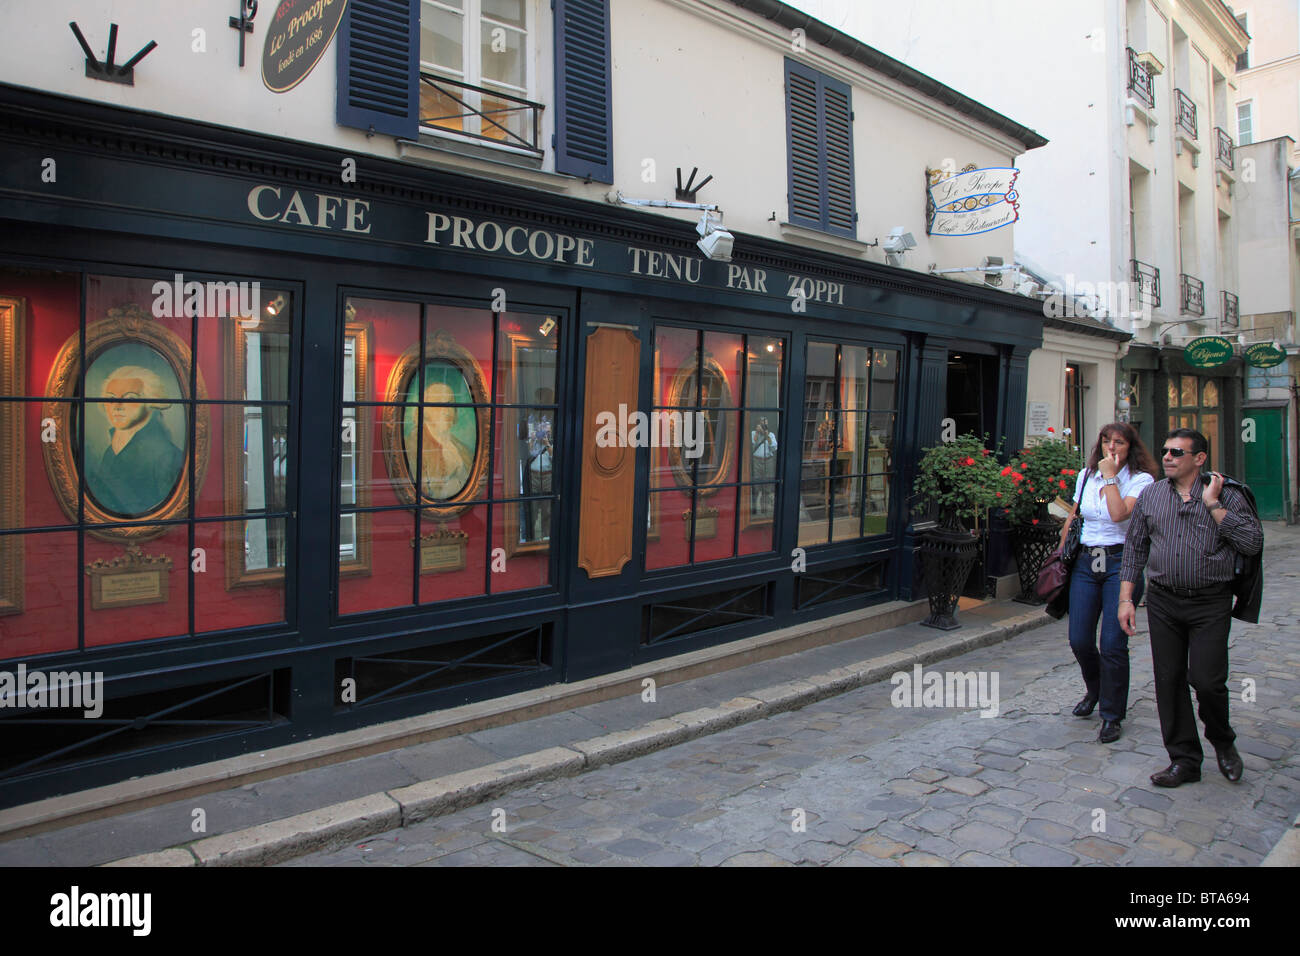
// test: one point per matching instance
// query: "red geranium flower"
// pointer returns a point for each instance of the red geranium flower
(1062, 484)
(999, 494)
(1035, 521)
(1053, 431)
(969, 461)
(1006, 470)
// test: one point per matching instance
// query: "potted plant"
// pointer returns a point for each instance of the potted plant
(961, 480)
(1042, 472)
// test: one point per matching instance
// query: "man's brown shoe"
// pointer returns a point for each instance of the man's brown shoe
(1176, 774)
(1229, 762)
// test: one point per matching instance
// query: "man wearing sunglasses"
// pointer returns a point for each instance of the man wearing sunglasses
(1186, 531)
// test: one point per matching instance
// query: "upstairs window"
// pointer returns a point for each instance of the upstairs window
(476, 69)
(1245, 124)
(819, 135)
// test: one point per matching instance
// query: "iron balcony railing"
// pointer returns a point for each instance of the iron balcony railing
(1223, 147)
(496, 120)
(1193, 294)
(1186, 112)
(1231, 311)
(1139, 80)
(1147, 279)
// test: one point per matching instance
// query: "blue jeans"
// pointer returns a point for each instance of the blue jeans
(1093, 595)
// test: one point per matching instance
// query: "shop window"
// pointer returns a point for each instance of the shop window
(715, 446)
(849, 422)
(165, 457)
(448, 483)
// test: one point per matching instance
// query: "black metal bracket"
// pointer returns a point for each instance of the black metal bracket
(244, 24)
(687, 193)
(108, 70)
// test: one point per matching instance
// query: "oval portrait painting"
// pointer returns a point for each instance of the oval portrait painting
(448, 446)
(136, 430)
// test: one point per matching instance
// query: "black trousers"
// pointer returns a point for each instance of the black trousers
(1189, 645)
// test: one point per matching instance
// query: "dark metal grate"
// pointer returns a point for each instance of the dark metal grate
(837, 584)
(133, 724)
(1231, 311)
(384, 677)
(663, 622)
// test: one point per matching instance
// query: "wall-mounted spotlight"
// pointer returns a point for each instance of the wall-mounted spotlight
(995, 277)
(715, 242)
(899, 242)
(276, 306)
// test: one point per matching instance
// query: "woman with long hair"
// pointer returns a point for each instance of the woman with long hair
(1118, 469)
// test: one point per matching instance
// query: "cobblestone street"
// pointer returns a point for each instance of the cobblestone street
(884, 786)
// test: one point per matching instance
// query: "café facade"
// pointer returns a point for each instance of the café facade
(284, 455)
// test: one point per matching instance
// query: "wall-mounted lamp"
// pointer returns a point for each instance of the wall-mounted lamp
(275, 306)
(899, 242)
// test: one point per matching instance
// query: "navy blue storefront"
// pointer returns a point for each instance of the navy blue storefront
(393, 494)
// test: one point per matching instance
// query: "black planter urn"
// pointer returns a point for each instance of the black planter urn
(948, 553)
(1033, 544)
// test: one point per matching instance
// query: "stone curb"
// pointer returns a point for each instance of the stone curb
(317, 829)
(368, 816)
(1287, 850)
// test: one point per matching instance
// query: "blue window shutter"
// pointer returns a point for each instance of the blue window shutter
(583, 123)
(819, 149)
(379, 62)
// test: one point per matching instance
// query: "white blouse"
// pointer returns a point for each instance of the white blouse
(1098, 530)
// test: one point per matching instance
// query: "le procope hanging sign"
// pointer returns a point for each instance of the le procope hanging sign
(296, 39)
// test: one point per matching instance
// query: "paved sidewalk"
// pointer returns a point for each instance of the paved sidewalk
(876, 784)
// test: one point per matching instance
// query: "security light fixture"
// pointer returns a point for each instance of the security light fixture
(715, 241)
(898, 243)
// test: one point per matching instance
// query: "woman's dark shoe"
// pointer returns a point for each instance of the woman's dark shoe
(1109, 731)
(1085, 707)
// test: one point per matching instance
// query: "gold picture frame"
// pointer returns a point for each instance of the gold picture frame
(441, 353)
(514, 420)
(13, 313)
(123, 326)
(678, 398)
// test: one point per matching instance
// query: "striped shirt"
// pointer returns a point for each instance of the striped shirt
(1180, 544)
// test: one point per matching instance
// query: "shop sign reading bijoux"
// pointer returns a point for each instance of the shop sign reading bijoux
(1208, 351)
(971, 202)
(297, 37)
(1263, 355)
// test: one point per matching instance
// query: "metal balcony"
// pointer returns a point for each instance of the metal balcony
(1231, 311)
(1223, 147)
(1186, 111)
(1193, 294)
(509, 120)
(1139, 80)
(1147, 279)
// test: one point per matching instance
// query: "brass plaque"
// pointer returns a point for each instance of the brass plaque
(706, 525)
(129, 581)
(442, 551)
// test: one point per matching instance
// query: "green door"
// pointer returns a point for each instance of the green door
(1266, 461)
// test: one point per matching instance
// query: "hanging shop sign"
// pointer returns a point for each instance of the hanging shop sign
(296, 39)
(1208, 351)
(1264, 355)
(973, 201)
